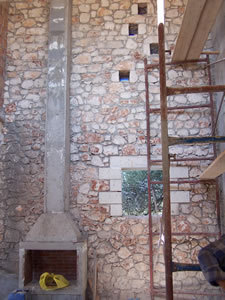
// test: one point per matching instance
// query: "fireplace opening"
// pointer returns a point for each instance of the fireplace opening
(63, 262)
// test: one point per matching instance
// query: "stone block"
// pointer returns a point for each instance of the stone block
(115, 185)
(115, 76)
(138, 19)
(120, 14)
(142, 29)
(174, 209)
(120, 52)
(131, 138)
(146, 49)
(110, 150)
(84, 17)
(125, 29)
(134, 9)
(129, 149)
(131, 44)
(133, 76)
(97, 161)
(84, 8)
(137, 229)
(119, 140)
(110, 198)
(109, 26)
(108, 173)
(114, 45)
(180, 196)
(116, 210)
(12, 235)
(178, 172)
(133, 162)
(83, 59)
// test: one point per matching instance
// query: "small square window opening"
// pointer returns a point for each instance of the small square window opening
(142, 8)
(124, 75)
(135, 192)
(133, 29)
(154, 48)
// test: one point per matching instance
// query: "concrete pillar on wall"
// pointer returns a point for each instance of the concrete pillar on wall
(57, 108)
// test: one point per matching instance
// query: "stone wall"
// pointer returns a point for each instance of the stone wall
(24, 107)
(108, 126)
(3, 45)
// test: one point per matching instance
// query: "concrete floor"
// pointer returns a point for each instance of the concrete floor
(8, 283)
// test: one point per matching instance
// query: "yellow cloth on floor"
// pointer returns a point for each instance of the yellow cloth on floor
(51, 282)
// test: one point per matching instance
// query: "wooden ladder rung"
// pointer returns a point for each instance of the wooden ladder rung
(178, 267)
(195, 140)
(192, 90)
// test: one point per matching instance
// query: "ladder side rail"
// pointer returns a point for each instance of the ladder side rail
(166, 164)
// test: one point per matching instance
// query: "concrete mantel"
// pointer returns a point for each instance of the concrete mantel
(54, 227)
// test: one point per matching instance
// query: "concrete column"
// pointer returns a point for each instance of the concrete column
(57, 108)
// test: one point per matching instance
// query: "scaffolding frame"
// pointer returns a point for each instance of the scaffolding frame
(167, 141)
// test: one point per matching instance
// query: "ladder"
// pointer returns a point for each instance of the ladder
(168, 141)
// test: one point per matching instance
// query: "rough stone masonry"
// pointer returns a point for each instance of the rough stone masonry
(108, 134)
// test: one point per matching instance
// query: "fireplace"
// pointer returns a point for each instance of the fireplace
(55, 261)
(66, 258)
(55, 244)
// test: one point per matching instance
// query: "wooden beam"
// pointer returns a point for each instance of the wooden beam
(205, 24)
(190, 22)
(198, 20)
(216, 168)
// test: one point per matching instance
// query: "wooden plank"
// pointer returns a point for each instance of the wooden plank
(205, 24)
(198, 20)
(216, 168)
(190, 22)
